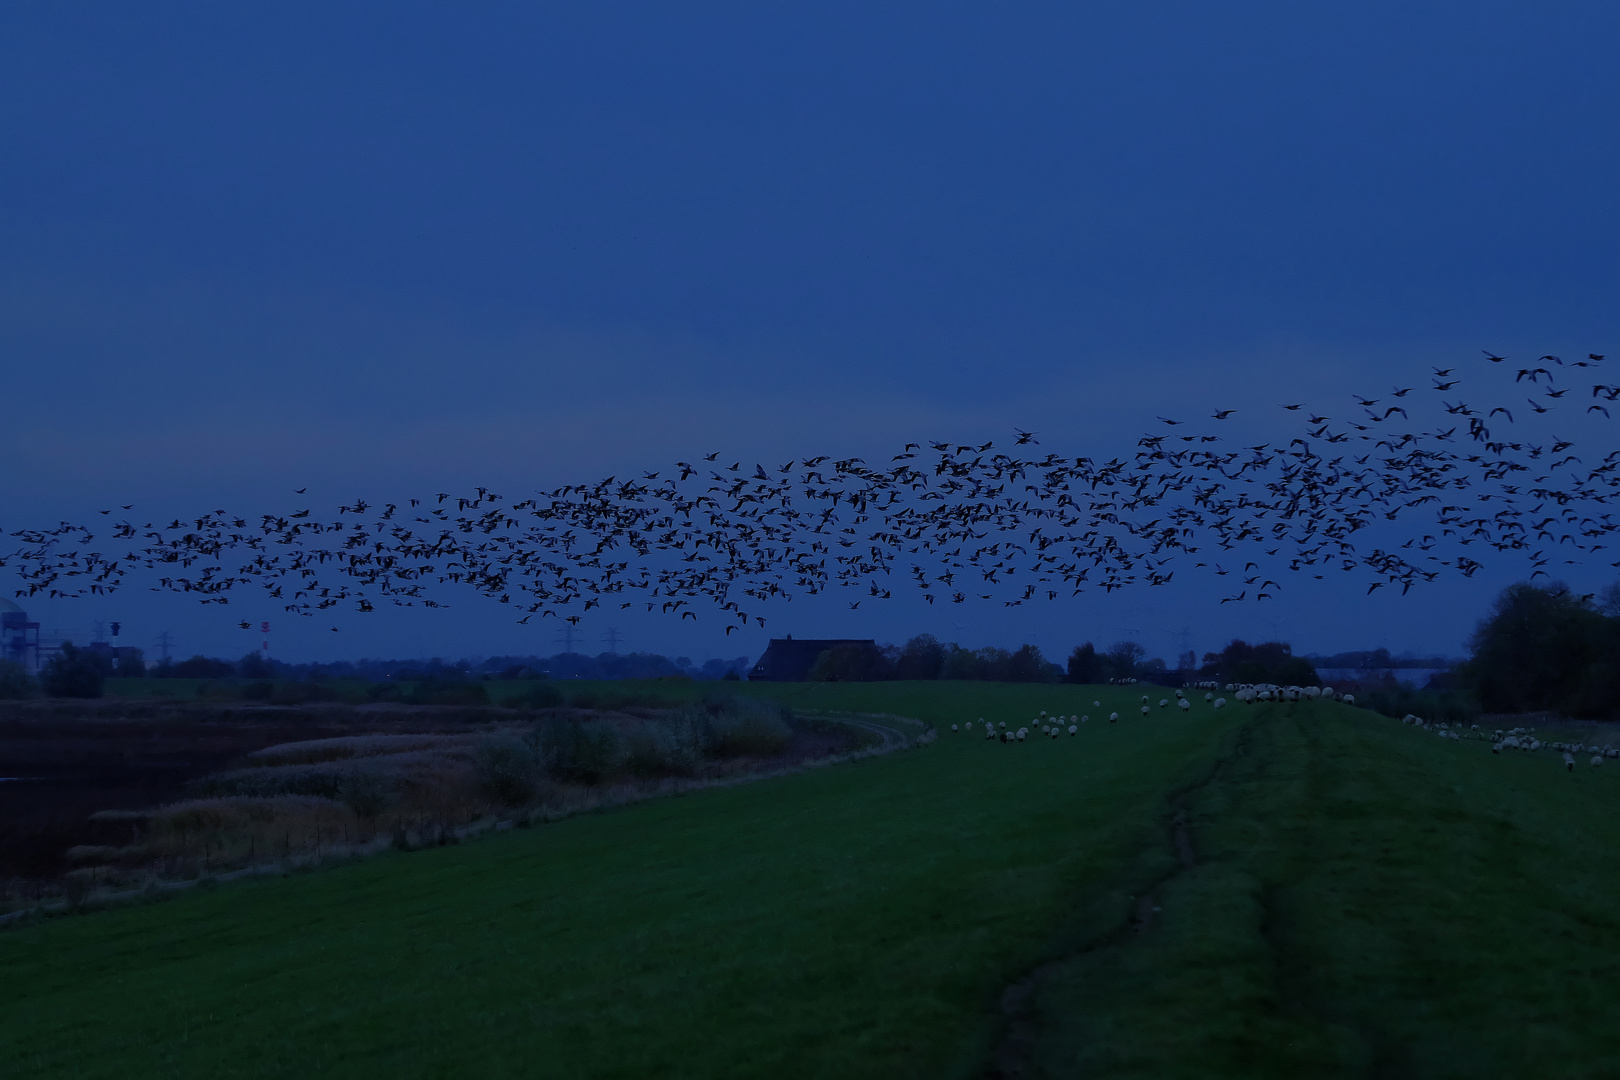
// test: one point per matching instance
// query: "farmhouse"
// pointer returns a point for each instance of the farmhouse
(790, 659)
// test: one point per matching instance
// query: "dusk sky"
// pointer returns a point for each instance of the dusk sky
(383, 250)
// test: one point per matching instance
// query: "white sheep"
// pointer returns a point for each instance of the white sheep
(1349, 699)
(1113, 718)
(1220, 703)
(1096, 704)
(1144, 710)
(1597, 759)
(1184, 704)
(953, 727)
(1074, 729)
(1210, 696)
(1083, 719)
(1163, 702)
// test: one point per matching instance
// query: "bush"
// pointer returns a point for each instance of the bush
(506, 772)
(200, 667)
(747, 727)
(300, 693)
(541, 696)
(650, 751)
(15, 682)
(74, 673)
(1435, 706)
(585, 752)
(448, 692)
(367, 793)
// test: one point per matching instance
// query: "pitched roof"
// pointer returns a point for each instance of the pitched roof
(790, 659)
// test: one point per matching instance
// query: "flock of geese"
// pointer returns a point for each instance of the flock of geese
(1376, 492)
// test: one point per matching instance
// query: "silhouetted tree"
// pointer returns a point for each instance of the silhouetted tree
(75, 673)
(1267, 662)
(1123, 656)
(201, 667)
(1545, 648)
(852, 662)
(922, 658)
(131, 663)
(15, 682)
(1085, 666)
(254, 666)
(1028, 665)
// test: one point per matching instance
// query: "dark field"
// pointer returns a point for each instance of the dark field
(66, 762)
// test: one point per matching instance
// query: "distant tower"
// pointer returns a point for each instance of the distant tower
(611, 639)
(19, 638)
(566, 638)
(165, 642)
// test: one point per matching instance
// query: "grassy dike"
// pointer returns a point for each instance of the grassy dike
(857, 920)
(1366, 900)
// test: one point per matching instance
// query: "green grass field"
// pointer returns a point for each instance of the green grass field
(1364, 899)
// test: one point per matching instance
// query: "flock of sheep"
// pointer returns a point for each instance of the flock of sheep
(1053, 725)
(1518, 738)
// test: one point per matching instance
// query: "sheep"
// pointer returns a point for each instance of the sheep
(1023, 733)
(1084, 718)
(1349, 699)
(1597, 759)
(1074, 729)
(1056, 733)
(953, 727)
(1184, 704)
(1096, 704)
(1144, 710)
(1209, 697)
(1163, 702)
(1569, 761)
(1113, 718)
(1003, 724)
(1144, 699)
(1220, 703)
(1178, 693)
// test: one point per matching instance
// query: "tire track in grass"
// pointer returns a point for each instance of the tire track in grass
(1015, 1052)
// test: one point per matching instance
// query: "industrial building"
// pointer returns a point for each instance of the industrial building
(19, 638)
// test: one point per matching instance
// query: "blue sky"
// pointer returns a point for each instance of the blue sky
(380, 249)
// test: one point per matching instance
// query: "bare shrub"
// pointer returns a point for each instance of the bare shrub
(747, 727)
(507, 774)
(236, 829)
